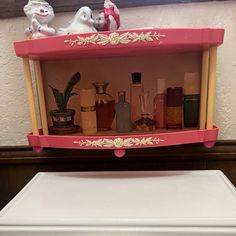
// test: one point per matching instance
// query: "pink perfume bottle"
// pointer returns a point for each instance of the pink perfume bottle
(159, 104)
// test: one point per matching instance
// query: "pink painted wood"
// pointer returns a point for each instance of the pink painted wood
(124, 141)
(121, 43)
(118, 43)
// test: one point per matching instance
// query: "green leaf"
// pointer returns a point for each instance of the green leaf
(72, 94)
(59, 98)
(67, 92)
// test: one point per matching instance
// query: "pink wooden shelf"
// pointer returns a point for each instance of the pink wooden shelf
(125, 42)
(121, 43)
(120, 143)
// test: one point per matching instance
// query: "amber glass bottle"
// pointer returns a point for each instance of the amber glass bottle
(105, 107)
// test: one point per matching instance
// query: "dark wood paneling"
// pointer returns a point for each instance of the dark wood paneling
(4, 187)
(228, 167)
(19, 176)
(13, 8)
(19, 164)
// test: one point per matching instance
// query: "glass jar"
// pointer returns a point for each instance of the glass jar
(145, 123)
(105, 106)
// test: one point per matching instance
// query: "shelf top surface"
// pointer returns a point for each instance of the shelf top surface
(140, 198)
(120, 43)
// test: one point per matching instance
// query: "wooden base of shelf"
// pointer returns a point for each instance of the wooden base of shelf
(121, 142)
(134, 132)
(64, 131)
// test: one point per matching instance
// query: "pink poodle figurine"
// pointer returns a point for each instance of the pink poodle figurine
(40, 13)
(109, 18)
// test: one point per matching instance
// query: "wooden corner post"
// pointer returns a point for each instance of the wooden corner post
(30, 93)
(43, 113)
(211, 86)
(204, 88)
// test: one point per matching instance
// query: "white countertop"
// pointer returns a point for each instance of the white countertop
(166, 199)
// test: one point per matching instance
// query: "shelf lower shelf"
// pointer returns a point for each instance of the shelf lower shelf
(121, 142)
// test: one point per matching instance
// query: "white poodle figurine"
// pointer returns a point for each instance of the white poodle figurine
(40, 13)
(109, 18)
(81, 23)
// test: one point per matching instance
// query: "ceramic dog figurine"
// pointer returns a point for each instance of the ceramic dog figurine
(81, 23)
(40, 13)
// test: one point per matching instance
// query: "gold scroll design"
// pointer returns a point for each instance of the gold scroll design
(116, 38)
(119, 142)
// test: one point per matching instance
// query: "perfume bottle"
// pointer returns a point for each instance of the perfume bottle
(159, 104)
(174, 113)
(145, 123)
(123, 114)
(191, 99)
(136, 88)
(88, 112)
(105, 106)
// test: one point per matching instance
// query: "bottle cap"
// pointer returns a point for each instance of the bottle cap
(161, 86)
(174, 97)
(87, 97)
(121, 96)
(191, 83)
(100, 87)
(136, 77)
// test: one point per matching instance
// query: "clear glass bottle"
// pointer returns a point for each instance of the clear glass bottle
(136, 88)
(145, 123)
(159, 105)
(105, 106)
(123, 114)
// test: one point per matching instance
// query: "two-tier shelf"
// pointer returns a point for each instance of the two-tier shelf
(121, 44)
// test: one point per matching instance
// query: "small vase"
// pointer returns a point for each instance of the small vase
(105, 107)
(62, 119)
(63, 122)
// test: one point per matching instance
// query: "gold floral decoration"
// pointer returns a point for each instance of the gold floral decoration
(119, 142)
(116, 38)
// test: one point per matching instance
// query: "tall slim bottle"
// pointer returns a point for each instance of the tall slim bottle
(123, 114)
(159, 104)
(191, 99)
(88, 112)
(174, 110)
(136, 88)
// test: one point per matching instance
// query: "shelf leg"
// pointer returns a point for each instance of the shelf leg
(204, 85)
(211, 87)
(30, 92)
(119, 152)
(43, 113)
(209, 144)
(38, 149)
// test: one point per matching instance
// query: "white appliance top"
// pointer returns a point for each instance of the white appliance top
(156, 198)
